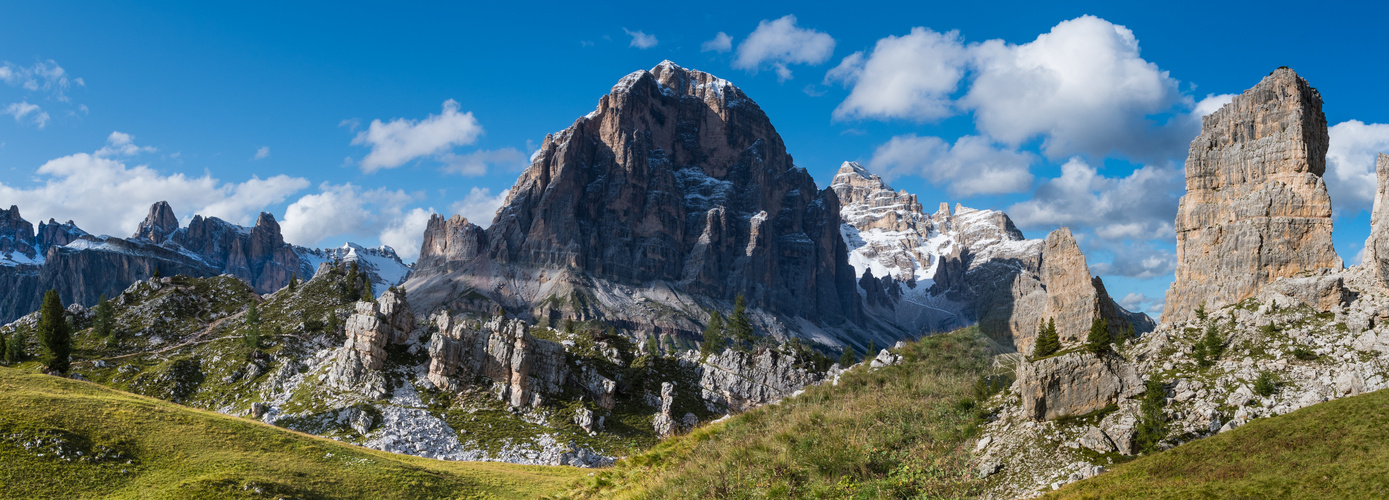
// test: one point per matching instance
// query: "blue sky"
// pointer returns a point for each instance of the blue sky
(232, 109)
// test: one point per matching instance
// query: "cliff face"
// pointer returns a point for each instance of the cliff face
(1256, 207)
(677, 182)
(1376, 257)
(926, 273)
(82, 267)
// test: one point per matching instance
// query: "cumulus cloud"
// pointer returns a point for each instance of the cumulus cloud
(1211, 104)
(104, 195)
(262, 153)
(641, 40)
(720, 43)
(479, 207)
(1141, 206)
(343, 210)
(973, 165)
(1350, 164)
(1082, 87)
(780, 43)
(21, 110)
(1140, 302)
(911, 77)
(406, 233)
(1140, 261)
(477, 162)
(396, 142)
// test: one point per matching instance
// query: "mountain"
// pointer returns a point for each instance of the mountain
(674, 196)
(82, 267)
(931, 273)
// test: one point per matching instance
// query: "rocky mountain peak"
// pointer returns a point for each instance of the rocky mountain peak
(16, 234)
(1376, 256)
(448, 243)
(1256, 207)
(158, 225)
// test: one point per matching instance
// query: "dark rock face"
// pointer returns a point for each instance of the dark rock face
(677, 181)
(82, 267)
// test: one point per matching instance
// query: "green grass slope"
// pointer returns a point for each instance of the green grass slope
(62, 438)
(1337, 449)
(897, 432)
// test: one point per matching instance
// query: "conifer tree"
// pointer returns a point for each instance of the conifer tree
(1098, 340)
(332, 322)
(251, 335)
(352, 292)
(367, 296)
(1048, 342)
(1152, 422)
(156, 274)
(871, 351)
(105, 320)
(293, 282)
(847, 358)
(4, 347)
(54, 334)
(1215, 346)
(569, 325)
(14, 352)
(739, 326)
(714, 337)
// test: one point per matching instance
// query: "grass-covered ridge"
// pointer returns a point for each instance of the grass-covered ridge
(897, 431)
(62, 438)
(1336, 449)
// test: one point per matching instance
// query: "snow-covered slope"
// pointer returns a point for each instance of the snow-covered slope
(381, 263)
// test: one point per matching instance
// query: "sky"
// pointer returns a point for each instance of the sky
(355, 121)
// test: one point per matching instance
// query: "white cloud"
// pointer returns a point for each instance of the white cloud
(720, 43)
(780, 43)
(401, 140)
(262, 153)
(1082, 86)
(641, 40)
(46, 76)
(971, 166)
(406, 233)
(122, 144)
(911, 77)
(1211, 104)
(22, 109)
(1141, 261)
(476, 162)
(342, 210)
(1139, 302)
(1350, 164)
(479, 207)
(1141, 206)
(103, 195)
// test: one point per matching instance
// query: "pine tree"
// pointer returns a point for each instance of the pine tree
(1215, 346)
(871, 351)
(352, 292)
(1152, 422)
(105, 320)
(14, 352)
(1048, 342)
(156, 274)
(54, 334)
(251, 335)
(714, 337)
(367, 296)
(847, 358)
(1098, 340)
(332, 322)
(293, 282)
(4, 347)
(1201, 311)
(739, 326)
(569, 325)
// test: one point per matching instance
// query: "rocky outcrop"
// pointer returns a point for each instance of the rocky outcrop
(522, 368)
(368, 333)
(677, 192)
(947, 270)
(735, 381)
(158, 225)
(1376, 256)
(449, 244)
(1256, 207)
(1074, 384)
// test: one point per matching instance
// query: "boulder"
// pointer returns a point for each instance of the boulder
(1075, 384)
(1256, 207)
(738, 381)
(522, 368)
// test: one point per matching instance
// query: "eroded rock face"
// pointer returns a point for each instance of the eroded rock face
(1256, 207)
(1075, 384)
(1376, 256)
(158, 225)
(676, 188)
(946, 270)
(368, 333)
(739, 381)
(522, 368)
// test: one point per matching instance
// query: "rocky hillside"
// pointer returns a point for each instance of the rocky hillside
(675, 195)
(930, 273)
(1283, 326)
(82, 267)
